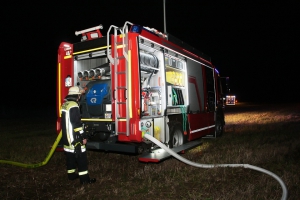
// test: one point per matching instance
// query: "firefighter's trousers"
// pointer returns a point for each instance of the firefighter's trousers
(80, 161)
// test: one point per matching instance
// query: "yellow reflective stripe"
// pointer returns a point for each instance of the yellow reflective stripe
(71, 147)
(71, 171)
(97, 120)
(78, 143)
(79, 52)
(129, 88)
(78, 129)
(67, 57)
(120, 46)
(83, 173)
(69, 150)
(72, 150)
(68, 105)
(59, 90)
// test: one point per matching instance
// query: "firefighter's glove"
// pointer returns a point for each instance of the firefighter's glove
(78, 140)
(77, 143)
(84, 135)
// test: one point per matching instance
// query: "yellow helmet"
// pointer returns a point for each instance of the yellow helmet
(74, 90)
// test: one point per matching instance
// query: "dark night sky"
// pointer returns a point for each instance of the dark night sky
(253, 43)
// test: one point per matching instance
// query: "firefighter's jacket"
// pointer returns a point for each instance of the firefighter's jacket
(71, 125)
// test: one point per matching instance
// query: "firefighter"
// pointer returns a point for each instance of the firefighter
(74, 138)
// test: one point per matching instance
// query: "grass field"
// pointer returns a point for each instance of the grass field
(267, 136)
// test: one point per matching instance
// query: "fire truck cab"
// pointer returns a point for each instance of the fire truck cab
(140, 81)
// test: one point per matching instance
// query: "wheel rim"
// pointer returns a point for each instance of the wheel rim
(177, 138)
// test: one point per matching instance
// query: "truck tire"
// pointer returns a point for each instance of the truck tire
(143, 148)
(177, 137)
(219, 129)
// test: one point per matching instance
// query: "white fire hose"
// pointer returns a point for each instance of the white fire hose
(158, 143)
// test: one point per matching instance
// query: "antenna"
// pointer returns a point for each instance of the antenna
(165, 25)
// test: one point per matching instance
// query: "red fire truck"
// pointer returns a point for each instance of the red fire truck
(139, 81)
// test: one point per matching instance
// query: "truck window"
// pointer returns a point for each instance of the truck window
(194, 105)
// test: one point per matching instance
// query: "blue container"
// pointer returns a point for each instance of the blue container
(96, 94)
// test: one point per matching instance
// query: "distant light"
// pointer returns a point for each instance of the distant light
(231, 100)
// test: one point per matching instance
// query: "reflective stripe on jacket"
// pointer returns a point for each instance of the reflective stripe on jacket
(72, 149)
(71, 124)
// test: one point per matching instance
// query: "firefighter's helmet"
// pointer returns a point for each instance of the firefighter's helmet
(75, 90)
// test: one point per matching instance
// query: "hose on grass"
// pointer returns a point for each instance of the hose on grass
(174, 154)
(37, 164)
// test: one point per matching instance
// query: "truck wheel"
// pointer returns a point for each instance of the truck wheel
(177, 137)
(140, 149)
(219, 127)
(143, 148)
